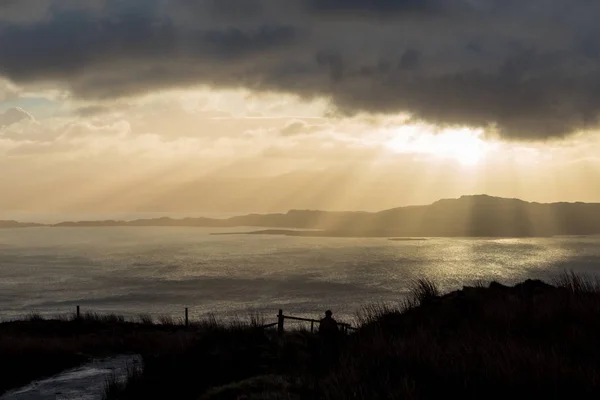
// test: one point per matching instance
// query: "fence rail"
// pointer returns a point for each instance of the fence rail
(281, 321)
(281, 317)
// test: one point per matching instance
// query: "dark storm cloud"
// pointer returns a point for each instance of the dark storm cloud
(531, 69)
(373, 6)
(235, 42)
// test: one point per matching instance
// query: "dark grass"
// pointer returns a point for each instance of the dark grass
(578, 283)
(35, 347)
(422, 291)
(146, 319)
(532, 340)
(117, 386)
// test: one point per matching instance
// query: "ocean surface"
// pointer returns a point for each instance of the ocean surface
(160, 271)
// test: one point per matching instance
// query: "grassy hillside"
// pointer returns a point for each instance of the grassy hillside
(492, 341)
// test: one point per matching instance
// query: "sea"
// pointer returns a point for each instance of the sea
(161, 271)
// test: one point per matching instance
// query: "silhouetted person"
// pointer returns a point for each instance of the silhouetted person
(328, 331)
(328, 328)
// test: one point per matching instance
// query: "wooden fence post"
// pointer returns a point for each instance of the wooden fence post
(78, 314)
(187, 320)
(280, 322)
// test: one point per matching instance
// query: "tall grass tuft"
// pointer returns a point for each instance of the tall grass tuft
(92, 317)
(578, 283)
(168, 320)
(146, 319)
(117, 387)
(34, 317)
(423, 291)
(257, 319)
(209, 322)
(373, 312)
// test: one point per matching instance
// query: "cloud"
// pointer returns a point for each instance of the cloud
(13, 116)
(45, 134)
(298, 127)
(165, 128)
(98, 110)
(8, 91)
(528, 70)
(94, 110)
(379, 7)
(19, 11)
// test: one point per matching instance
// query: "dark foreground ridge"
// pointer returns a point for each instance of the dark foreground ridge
(534, 339)
(468, 216)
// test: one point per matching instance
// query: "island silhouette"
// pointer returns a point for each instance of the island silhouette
(467, 216)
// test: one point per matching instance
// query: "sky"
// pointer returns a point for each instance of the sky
(269, 105)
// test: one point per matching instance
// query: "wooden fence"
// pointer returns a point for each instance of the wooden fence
(344, 327)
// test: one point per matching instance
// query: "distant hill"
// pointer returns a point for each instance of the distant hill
(468, 216)
(15, 224)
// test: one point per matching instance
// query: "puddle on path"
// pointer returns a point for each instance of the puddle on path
(82, 383)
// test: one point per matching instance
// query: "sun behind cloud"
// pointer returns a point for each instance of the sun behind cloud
(463, 145)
